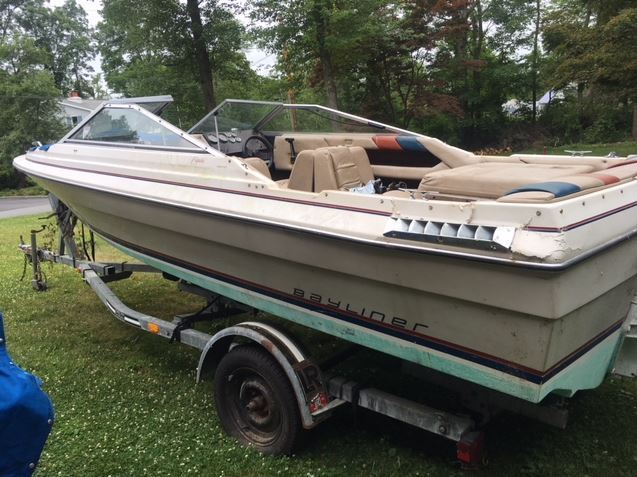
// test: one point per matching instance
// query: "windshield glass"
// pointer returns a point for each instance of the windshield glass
(131, 127)
(248, 116)
(231, 115)
(313, 119)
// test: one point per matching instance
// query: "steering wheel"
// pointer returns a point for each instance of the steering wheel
(258, 146)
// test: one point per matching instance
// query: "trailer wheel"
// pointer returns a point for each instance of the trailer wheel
(255, 401)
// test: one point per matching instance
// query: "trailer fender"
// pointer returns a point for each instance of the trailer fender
(304, 376)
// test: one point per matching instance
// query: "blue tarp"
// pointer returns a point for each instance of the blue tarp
(26, 416)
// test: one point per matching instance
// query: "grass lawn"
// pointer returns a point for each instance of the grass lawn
(127, 404)
(32, 190)
(620, 148)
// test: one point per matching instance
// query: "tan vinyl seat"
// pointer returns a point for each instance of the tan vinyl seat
(341, 168)
(331, 168)
(302, 175)
(258, 165)
(492, 180)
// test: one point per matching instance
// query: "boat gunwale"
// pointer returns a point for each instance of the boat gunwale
(548, 267)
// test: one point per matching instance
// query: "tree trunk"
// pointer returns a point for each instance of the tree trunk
(320, 21)
(635, 121)
(536, 35)
(580, 109)
(477, 56)
(581, 86)
(330, 83)
(201, 55)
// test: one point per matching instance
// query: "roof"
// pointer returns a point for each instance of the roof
(82, 104)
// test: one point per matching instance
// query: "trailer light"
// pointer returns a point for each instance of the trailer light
(153, 328)
(471, 450)
(319, 402)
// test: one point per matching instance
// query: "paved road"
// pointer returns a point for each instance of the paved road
(14, 207)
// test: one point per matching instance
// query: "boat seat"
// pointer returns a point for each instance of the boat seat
(331, 168)
(341, 168)
(628, 170)
(493, 180)
(449, 155)
(569, 185)
(258, 165)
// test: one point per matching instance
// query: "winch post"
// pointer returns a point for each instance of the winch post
(66, 221)
(37, 282)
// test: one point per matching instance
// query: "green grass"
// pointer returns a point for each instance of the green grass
(620, 148)
(31, 190)
(127, 404)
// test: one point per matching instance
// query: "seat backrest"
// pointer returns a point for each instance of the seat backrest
(302, 175)
(331, 168)
(341, 168)
(258, 165)
(451, 156)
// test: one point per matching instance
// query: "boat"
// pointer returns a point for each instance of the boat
(514, 273)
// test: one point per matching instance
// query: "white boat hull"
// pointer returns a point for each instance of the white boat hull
(386, 298)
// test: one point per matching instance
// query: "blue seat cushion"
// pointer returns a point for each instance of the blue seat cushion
(410, 143)
(558, 189)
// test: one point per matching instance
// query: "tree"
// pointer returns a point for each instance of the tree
(617, 70)
(584, 39)
(65, 35)
(163, 46)
(474, 56)
(28, 94)
(62, 33)
(202, 57)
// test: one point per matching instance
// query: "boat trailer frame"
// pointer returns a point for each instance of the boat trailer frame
(316, 391)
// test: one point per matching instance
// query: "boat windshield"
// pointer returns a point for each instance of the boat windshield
(129, 126)
(258, 116)
(233, 114)
(309, 118)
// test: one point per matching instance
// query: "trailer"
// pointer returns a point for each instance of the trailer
(268, 389)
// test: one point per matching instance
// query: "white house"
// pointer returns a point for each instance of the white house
(74, 108)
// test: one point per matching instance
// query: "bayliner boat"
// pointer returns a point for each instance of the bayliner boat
(515, 273)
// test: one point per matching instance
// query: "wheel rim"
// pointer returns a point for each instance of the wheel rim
(254, 407)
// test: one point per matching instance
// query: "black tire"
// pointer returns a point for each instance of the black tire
(255, 401)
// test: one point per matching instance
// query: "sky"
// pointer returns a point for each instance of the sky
(261, 60)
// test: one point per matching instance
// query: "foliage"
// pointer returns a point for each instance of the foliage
(153, 52)
(63, 32)
(444, 68)
(28, 103)
(588, 43)
(30, 190)
(415, 63)
(44, 53)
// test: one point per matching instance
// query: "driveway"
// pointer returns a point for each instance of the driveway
(16, 206)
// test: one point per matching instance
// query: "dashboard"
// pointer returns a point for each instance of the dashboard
(228, 142)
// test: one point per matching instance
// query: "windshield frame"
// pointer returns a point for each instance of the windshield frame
(199, 147)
